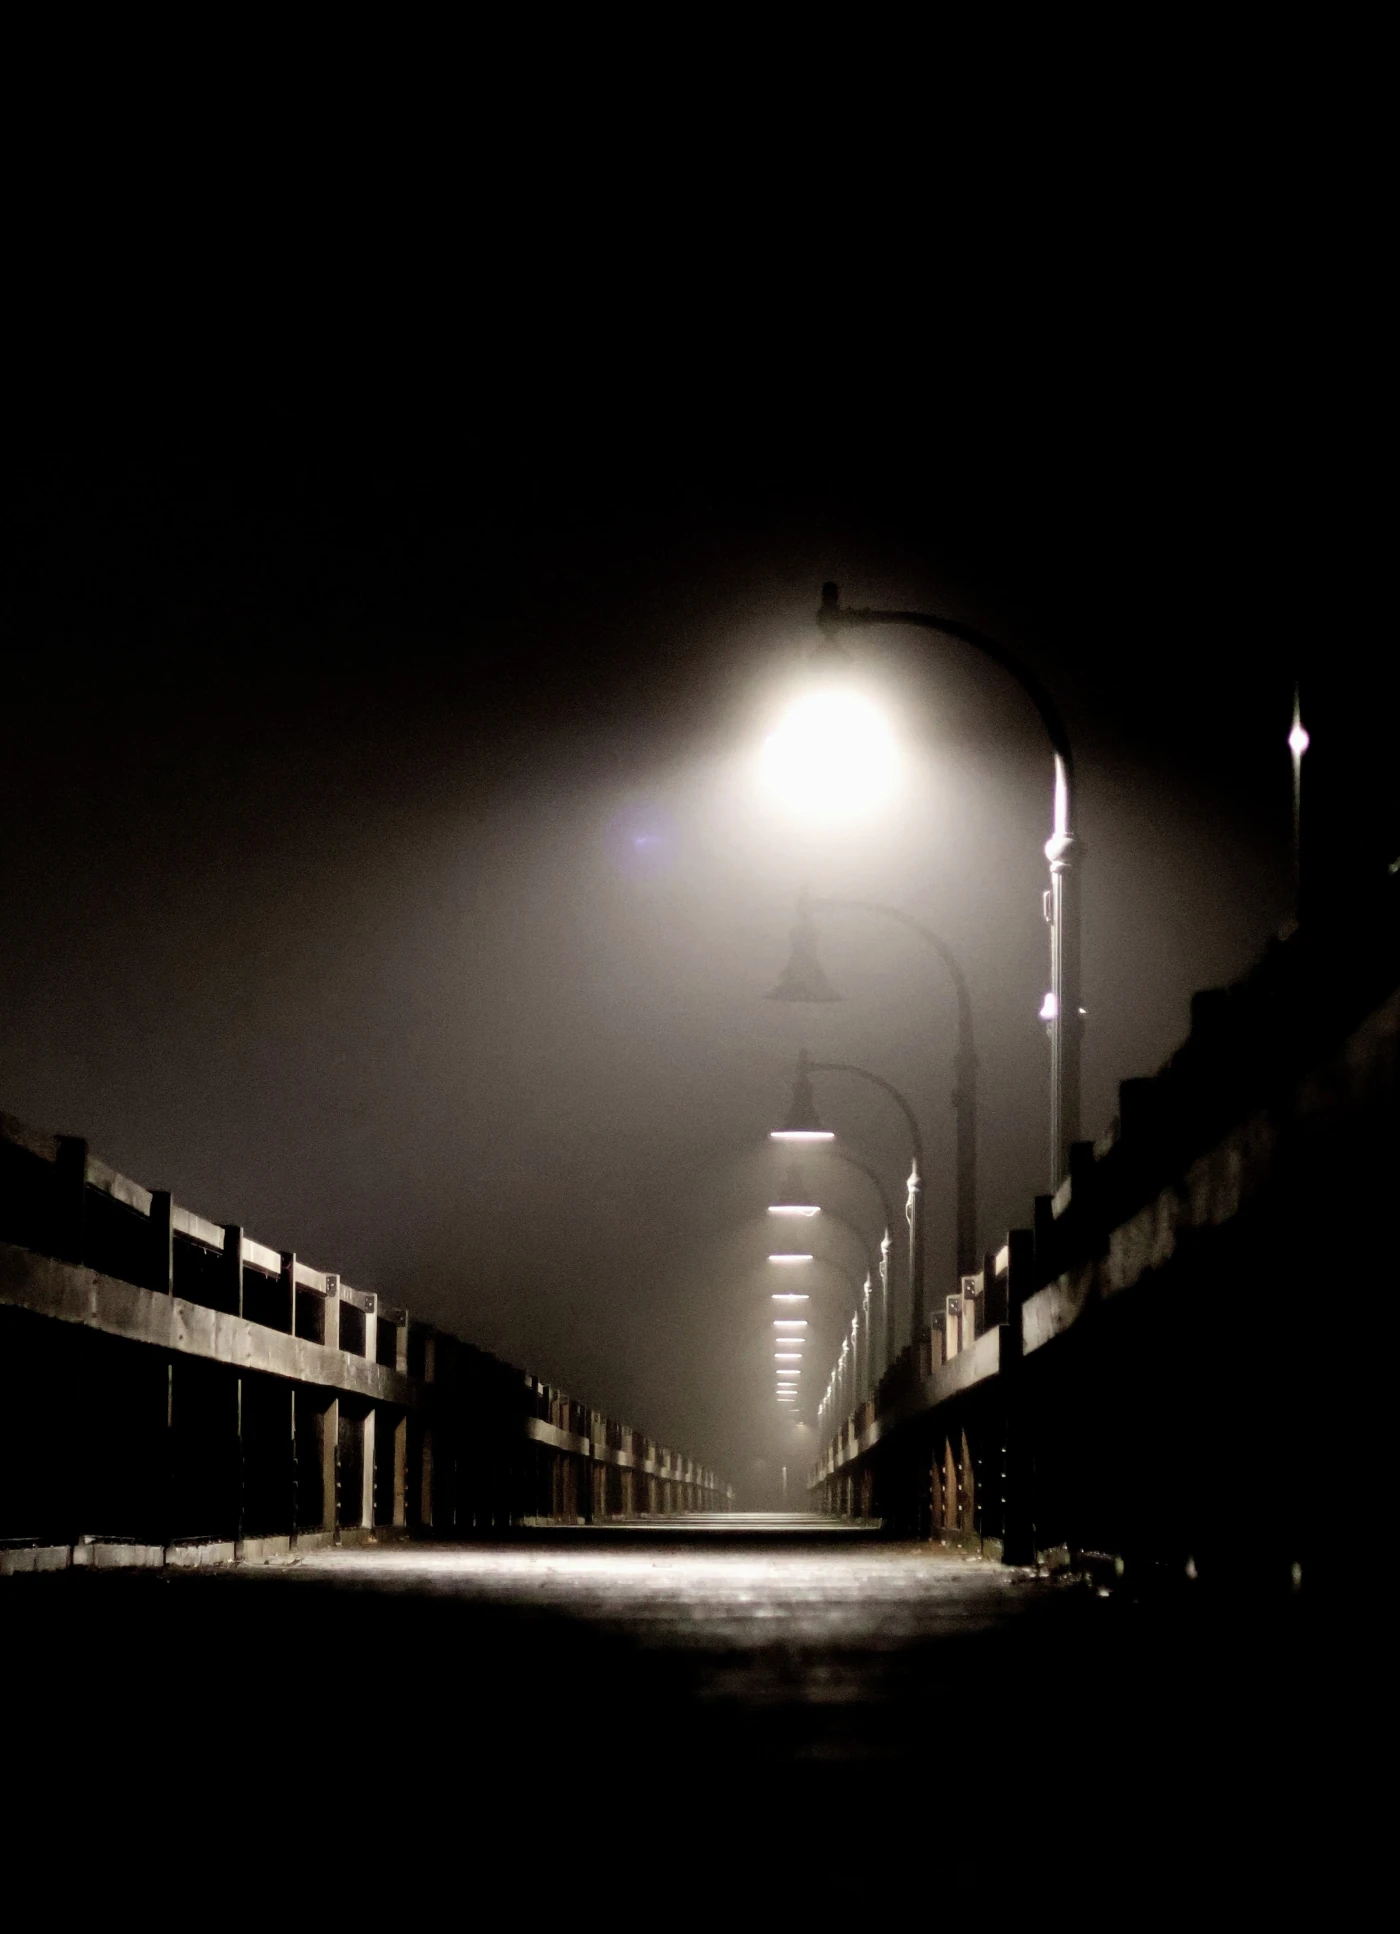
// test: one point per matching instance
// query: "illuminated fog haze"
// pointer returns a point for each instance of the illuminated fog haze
(407, 889)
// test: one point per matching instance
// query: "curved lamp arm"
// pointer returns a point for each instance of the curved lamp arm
(854, 1161)
(879, 1081)
(834, 616)
(1062, 1012)
(931, 939)
(843, 1222)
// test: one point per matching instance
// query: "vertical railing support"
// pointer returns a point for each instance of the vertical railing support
(70, 1198)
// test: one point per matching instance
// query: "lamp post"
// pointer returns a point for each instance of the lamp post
(804, 1124)
(804, 979)
(1061, 1010)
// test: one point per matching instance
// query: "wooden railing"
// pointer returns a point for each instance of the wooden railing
(173, 1390)
(1141, 1373)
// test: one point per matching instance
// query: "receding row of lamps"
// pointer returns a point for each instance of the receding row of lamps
(789, 1332)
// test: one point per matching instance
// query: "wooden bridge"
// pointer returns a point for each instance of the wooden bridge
(1154, 1373)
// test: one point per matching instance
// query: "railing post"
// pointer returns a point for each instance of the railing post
(161, 1277)
(401, 1472)
(70, 1198)
(233, 1292)
(369, 1431)
(287, 1277)
(370, 1427)
(330, 1467)
(1018, 1503)
(233, 1265)
(425, 1469)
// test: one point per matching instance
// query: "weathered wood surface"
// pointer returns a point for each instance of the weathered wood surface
(71, 1294)
(971, 1366)
(63, 1288)
(1216, 1186)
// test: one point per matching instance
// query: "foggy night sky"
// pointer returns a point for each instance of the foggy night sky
(327, 745)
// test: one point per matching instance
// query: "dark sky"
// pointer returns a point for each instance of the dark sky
(332, 710)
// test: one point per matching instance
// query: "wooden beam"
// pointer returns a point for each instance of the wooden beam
(71, 1294)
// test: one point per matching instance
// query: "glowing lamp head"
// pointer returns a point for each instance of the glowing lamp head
(832, 755)
(803, 1123)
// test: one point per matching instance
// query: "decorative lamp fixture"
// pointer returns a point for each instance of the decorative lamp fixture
(803, 1123)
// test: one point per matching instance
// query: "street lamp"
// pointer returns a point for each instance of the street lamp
(1061, 1011)
(804, 1108)
(803, 1124)
(804, 980)
(794, 1202)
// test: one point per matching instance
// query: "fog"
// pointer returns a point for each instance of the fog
(412, 899)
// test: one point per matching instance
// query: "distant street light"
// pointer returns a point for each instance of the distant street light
(864, 1370)
(804, 980)
(810, 736)
(884, 1355)
(804, 1107)
(803, 1124)
(789, 1331)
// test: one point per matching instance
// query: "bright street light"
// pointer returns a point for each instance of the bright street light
(790, 1256)
(832, 756)
(1064, 1018)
